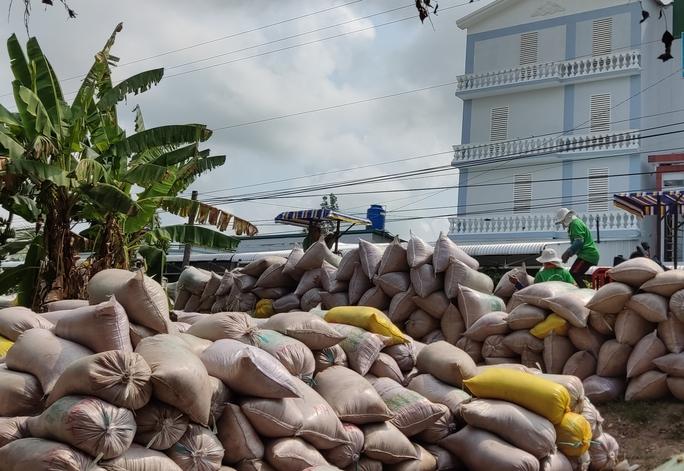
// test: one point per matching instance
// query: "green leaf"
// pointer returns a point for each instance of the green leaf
(18, 62)
(14, 149)
(177, 156)
(204, 213)
(139, 121)
(189, 172)
(163, 136)
(155, 259)
(24, 207)
(46, 85)
(137, 83)
(36, 109)
(11, 278)
(8, 118)
(198, 236)
(90, 171)
(145, 174)
(14, 247)
(111, 199)
(39, 171)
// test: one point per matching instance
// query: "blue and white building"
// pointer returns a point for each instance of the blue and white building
(554, 98)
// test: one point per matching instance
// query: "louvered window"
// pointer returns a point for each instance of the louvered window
(602, 36)
(529, 45)
(600, 112)
(522, 193)
(499, 124)
(598, 190)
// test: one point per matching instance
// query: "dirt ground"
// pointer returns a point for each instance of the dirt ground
(648, 432)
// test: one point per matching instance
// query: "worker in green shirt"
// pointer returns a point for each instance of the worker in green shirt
(581, 244)
(552, 270)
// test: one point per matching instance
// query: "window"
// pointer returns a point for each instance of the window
(522, 193)
(529, 45)
(499, 124)
(598, 189)
(600, 113)
(602, 36)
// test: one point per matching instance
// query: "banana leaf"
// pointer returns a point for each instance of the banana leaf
(196, 235)
(135, 84)
(155, 259)
(110, 199)
(18, 62)
(39, 171)
(14, 149)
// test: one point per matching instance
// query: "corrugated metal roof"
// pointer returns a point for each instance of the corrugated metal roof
(519, 248)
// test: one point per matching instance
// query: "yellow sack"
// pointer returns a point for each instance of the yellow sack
(264, 309)
(5, 345)
(553, 323)
(544, 397)
(573, 435)
(367, 318)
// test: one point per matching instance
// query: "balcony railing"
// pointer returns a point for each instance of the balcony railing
(559, 71)
(508, 223)
(520, 148)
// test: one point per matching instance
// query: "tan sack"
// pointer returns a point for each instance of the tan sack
(586, 339)
(311, 299)
(460, 274)
(226, 284)
(44, 455)
(358, 285)
(194, 279)
(159, 425)
(420, 324)
(101, 327)
(287, 303)
(310, 329)
(386, 367)
(671, 332)
(212, 286)
(376, 298)
(351, 396)
(452, 324)
(676, 387)
(394, 258)
(220, 396)
(181, 300)
(444, 426)
(494, 346)
(65, 304)
(472, 348)
(225, 325)
(347, 265)
(89, 424)
(291, 353)
(600, 389)
(13, 428)
(474, 304)
(196, 344)
(446, 252)
(605, 452)
(347, 454)
(385, 443)
(370, 256)
(494, 323)
(121, 378)
(273, 277)
(329, 357)
(593, 416)
(648, 386)
(635, 272)
(418, 252)
(557, 351)
(331, 300)
(104, 284)
(650, 306)
(505, 289)
(193, 304)
(445, 459)
(630, 327)
(404, 354)
(424, 462)
(641, 359)
(178, 376)
(329, 281)
(139, 458)
(20, 393)
(238, 437)
(480, 450)
(446, 363)
(571, 306)
(17, 319)
(604, 324)
(610, 298)
(581, 364)
(525, 316)
(518, 426)
(198, 449)
(665, 284)
(531, 359)
(144, 300)
(293, 454)
(672, 364)
(557, 462)
(521, 340)
(612, 359)
(573, 385)
(393, 283)
(402, 306)
(435, 304)
(315, 255)
(412, 412)
(139, 332)
(44, 355)
(257, 267)
(677, 304)
(248, 370)
(362, 347)
(425, 281)
(538, 293)
(309, 280)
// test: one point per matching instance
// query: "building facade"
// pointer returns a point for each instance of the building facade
(560, 109)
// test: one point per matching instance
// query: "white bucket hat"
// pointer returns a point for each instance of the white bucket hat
(562, 214)
(550, 256)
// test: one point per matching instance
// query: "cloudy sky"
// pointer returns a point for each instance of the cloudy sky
(254, 66)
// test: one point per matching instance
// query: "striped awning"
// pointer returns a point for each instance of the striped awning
(308, 216)
(520, 248)
(648, 203)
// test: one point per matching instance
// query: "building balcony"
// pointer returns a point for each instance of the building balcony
(538, 226)
(607, 142)
(548, 74)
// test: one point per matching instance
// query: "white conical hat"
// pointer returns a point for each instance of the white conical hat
(550, 256)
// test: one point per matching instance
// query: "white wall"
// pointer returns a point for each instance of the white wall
(619, 90)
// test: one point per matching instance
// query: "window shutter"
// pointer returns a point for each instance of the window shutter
(600, 113)
(602, 36)
(598, 190)
(522, 193)
(529, 46)
(499, 124)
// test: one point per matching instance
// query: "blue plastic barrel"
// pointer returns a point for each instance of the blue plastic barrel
(376, 215)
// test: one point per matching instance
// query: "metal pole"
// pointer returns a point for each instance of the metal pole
(337, 237)
(659, 232)
(191, 222)
(675, 234)
(598, 231)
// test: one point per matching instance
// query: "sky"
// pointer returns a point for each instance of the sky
(243, 63)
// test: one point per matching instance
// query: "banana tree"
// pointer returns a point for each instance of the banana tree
(71, 163)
